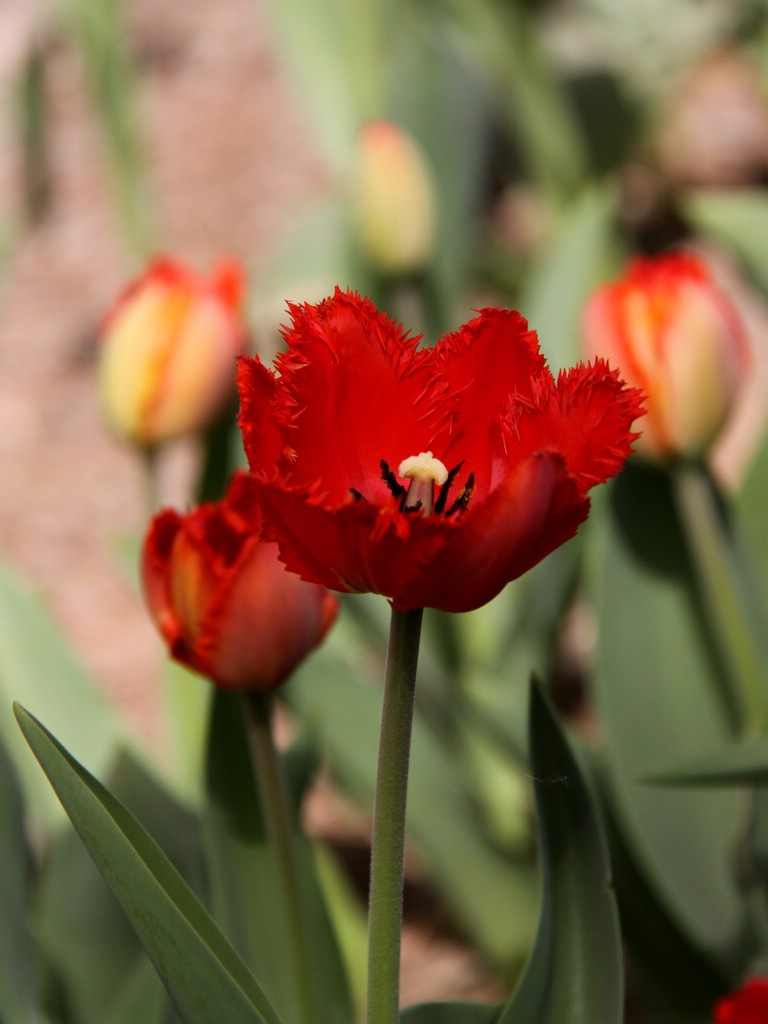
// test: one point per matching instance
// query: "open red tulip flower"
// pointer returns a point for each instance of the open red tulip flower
(433, 476)
(222, 600)
(749, 1005)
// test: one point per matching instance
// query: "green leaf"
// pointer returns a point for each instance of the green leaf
(493, 894)
(139, 997)
(683, 978)
(432, 73)
(661, 697)
(38, 670)
(749, 509)
(205, 978)
(335, 52)
(575, 973)
(19, 995)
(738, 217)
(745, 762)
(99, 28)
(450, 1013)
(567, 269)
(244, 879)
(73, 898)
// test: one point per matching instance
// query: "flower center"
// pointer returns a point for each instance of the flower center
(424, 471)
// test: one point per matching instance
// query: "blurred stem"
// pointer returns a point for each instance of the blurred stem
(217, 456)
(278, 817)
(387, 850)
(721, 590)
(152, 478)
(34, 130)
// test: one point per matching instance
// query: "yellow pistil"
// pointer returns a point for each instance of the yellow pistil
(424, 471)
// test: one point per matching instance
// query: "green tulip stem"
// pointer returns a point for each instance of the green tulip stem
(722, 591)
(385, 908)
(279, 825)
(151, 459)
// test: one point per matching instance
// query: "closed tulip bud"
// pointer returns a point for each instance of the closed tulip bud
(670, 331)
(221, 599)
(168, 351)
(393, 201)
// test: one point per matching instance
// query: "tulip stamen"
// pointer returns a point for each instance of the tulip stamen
(424, 471)
(396, 489)
(465, 494)
(442, 496)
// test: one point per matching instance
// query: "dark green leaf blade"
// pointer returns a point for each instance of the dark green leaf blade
(19, 996)
(661, 698)
(575, 972)
(203, 975)
(450, 1013)
(244, 879)
(745, 762)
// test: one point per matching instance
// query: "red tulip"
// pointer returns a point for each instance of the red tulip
(747, 1006)
(223, 602)
(168, 350)
(504, 455)
(673, 334)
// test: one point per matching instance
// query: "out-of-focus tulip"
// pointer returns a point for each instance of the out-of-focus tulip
(747, 1006)
(393, 200)
(168, 352)
(669, 330)
(222, 601)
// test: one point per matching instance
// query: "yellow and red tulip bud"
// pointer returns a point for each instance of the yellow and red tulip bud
(393, 200)
(670, 331)
(221, 599)
(168, 351)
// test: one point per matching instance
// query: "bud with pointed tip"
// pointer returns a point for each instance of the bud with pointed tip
(168, 351)
(393, 200)
(670, 331)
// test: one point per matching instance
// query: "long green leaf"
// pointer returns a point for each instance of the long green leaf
(244, 879)
(565, 271)
(38, 670)
(19, 994)
(93, 974)
(745, 762)
(205, 978)
(450, 1013)
(99, 28)
(661, 698)
(575, 973)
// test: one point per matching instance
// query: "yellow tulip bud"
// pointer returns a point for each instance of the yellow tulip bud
(393, 200)
(168, 352)
(669, 330)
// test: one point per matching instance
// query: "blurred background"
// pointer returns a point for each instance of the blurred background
(544, 143)
(557, 137)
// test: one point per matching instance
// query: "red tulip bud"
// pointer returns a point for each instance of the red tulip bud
(223, 602)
